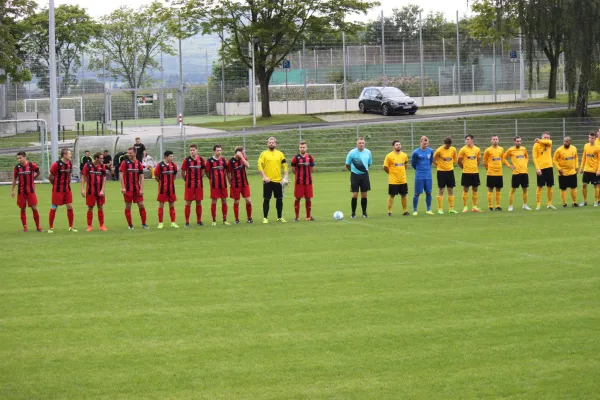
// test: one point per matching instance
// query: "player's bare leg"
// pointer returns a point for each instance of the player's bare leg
(172, 214)
(248, 201)
(36, 218)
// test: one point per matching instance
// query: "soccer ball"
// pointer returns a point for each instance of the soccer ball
(338, 215)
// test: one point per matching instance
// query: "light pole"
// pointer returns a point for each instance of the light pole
(182, 101)
(52, 68)
(254, 97)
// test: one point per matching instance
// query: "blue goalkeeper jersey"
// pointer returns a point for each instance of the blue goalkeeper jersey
(421, 161)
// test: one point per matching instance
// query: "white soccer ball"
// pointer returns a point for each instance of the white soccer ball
(338, 215)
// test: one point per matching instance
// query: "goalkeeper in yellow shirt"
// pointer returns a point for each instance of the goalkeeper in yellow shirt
(519, 159)
(590, 168)
(565, 161)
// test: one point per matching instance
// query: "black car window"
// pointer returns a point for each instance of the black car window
(366, 93)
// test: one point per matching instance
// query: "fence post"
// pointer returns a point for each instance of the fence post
(412, 135)
(103, 129)
(121, 127)
(357, 131)
(78, 129)
(564, 128)
(300, 132)
(465, 127)
(421, 61)
(344, 67)
(439, 81)
(473, 77)
(63, 130)
(516, 128)
(382, 43)
(304, 70)
(97, 128)
(494, 72)
(82, 129)
(244, 137)
(458, 57)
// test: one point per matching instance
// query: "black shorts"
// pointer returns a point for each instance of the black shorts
(569, 181)
(470, 180)
(272, 189)
(520, 180)
(446, 179)
(590, 177)
(359, 182)
(399, 189)
(547, 178)
(495, 182)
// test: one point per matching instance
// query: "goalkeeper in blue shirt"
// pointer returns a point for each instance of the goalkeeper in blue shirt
(421, 161)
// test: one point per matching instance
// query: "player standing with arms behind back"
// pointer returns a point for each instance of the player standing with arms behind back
(216, 171)
(302, 166)
(238, 180)
(270, 164)
(192, 170)
(94, 174)
(469, 158)
(26, 173)
(492, 162)
(519, 158)
(542, 159)
(132, 186)
(421, 161)
(358, 162)
(590, 168)
(395, 166)
(565, 160)
(166, 172)
(444, 158)
(60, 178)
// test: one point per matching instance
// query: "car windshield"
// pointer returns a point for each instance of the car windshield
(392, 92)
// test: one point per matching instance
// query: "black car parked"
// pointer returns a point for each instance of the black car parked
(386, 100)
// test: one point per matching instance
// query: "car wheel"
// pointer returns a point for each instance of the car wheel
(362, 108)
(385, 109)
(412, 112)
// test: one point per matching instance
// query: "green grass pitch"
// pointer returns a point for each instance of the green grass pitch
(491, 305)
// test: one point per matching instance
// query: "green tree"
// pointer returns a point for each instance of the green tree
(12, 31)
(273, 28)
(74, 29)
(130, 44)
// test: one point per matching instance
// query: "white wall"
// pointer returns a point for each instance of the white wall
(327, 106)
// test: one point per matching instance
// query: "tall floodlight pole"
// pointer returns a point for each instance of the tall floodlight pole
(253, 86)
(52, 67)
(182, 102)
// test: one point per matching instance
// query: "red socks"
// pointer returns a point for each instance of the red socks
(224, 211)
(23, 217)
(143, 215)
(199, 213)
(36, 218)
(90, 217)
(308, 207)
(51, 218)
(236, 211)
(128, 217)
(161, 213)
(249, 210)
(70, 217)
(172, 214)
(101, 217)
(297, 208)
(213, 211)
(188, 211)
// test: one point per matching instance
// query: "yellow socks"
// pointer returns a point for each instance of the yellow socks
(404, 203)
(596, 193)
(525, 197)
(390, 203)
(475, 198)
(451, 202)
(584, 191)
(574, 195)
(490, 199)
(440, 202)
(563, 196)
(550, 196)
(498, 198)
(538, 197)
(511, 196)
(465, 198)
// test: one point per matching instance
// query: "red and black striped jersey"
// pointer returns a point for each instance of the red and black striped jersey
(25, 174)
(216, 169)
(303, 165)
(94, 175)
(62, 176)
(193, 172)
(237, 169)
(166, 173)
(132, 170)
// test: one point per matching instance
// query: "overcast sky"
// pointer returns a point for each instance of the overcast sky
(448, 7)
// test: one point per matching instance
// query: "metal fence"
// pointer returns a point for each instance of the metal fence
(330, 146)
(453, 69)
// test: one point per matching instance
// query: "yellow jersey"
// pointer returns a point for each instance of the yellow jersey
(597, 142)
(589, 159)
(396, 165)
(519, 158)
(542, 154)
(271, 163)
(445, 158)
(492, 160)
(471, 157)
(566, 160)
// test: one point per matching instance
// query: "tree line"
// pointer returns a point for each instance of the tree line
(124, 45)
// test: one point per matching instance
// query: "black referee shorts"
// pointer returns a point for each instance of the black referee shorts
(547, 178)
(445, 179)
(272, 189)
(520, 180)
(359, 182)
(569, 181)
